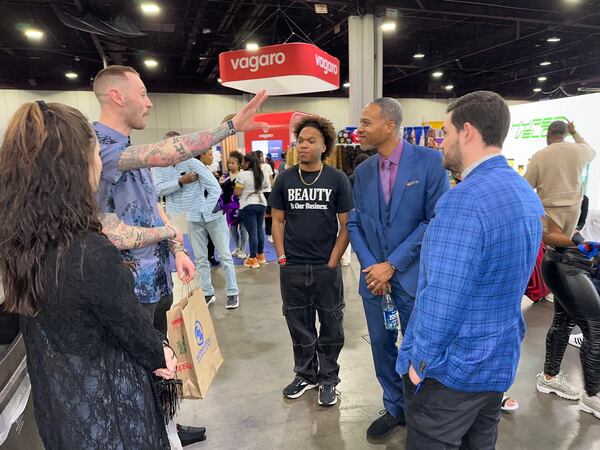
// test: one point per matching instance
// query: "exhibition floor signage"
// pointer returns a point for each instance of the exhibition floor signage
(283, 69)
(529, 126)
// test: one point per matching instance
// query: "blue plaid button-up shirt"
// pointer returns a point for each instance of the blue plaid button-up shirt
(477, 256)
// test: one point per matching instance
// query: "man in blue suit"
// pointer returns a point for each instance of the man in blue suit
(395, 192)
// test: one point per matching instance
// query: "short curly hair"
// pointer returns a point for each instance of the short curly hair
(324, 126)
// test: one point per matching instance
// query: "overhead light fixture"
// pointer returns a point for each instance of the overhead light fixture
(33, 34)
(388, 26)
(151, 63)
(545, 63)
(437, 74)
(419, 55)
(542, 78)
(71, 75)
(346, 85)
(150, 8)
(219, 80)
(537, 89)
(252, 46)
(553, 39)
(449, 87)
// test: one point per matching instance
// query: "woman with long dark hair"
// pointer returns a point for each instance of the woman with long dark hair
(249, 186)
(91, 351)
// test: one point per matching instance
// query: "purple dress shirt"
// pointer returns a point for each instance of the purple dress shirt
(388, 169)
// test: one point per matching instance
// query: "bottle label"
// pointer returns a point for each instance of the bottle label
(390, 318)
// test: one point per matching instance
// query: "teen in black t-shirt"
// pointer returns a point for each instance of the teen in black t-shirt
(308, 201)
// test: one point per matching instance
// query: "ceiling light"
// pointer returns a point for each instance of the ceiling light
(252, 46)
(346, 85)
(151, 63)
(449, 87)
(219, 80)
(33, 34)
(388, 26)
(553, 39)
(150, 8)
(71, 75)
(542, 78)
(545, 63)
(419, 55)
(537, 89)
(437, 74)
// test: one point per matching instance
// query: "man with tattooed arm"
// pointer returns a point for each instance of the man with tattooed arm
(132, 218)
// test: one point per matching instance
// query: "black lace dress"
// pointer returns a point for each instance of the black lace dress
(90, 354)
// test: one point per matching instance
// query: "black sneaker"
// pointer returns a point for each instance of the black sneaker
(210, 299)
(327, 395)
(233, 301)
(384, 425)
(297, 387)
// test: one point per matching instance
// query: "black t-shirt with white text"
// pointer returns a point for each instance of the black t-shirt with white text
(311, 210)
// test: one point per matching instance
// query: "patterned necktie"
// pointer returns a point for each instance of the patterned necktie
(386, 179)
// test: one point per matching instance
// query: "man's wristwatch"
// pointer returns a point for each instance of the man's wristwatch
(391, 265)
(282, 260)
(230, 127)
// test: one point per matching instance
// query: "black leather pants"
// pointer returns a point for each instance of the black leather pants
(568, 274)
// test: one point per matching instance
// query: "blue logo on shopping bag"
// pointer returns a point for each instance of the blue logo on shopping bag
(198, 333)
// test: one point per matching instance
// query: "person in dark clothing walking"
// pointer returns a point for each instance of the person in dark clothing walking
(308, 201)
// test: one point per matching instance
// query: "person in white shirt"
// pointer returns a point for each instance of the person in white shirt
(249, 188)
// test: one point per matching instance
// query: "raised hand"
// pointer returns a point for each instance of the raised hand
(244, 120)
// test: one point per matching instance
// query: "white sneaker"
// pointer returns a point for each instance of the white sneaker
(236, 252)
(557, 385)
(242, 254)
(576, 340)
(270, 238)
(590, 405)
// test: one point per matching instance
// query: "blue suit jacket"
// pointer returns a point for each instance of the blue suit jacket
(420, 181)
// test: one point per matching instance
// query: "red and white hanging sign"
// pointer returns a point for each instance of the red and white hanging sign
(283, 69)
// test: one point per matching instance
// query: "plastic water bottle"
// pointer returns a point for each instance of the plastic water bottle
(390, 313)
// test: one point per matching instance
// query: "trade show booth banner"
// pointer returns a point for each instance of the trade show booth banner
(529, 125)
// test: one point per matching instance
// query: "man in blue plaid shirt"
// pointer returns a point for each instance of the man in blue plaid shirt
(462, 344)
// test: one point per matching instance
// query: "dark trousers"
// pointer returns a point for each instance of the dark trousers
(252, 217)
(308, 290)
(157, 312)
(440, 418)
(384, 347)
(268, 218)
(160, 313)
(576, 302)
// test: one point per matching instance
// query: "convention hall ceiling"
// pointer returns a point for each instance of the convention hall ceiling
(497, 45)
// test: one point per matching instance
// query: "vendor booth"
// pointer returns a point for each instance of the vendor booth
(529, 125)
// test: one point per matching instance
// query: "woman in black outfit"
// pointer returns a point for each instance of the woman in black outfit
(91, 351)
(568, 271)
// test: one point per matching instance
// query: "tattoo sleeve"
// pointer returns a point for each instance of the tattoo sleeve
(171, 151)
(175, 247)
(127, 237)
